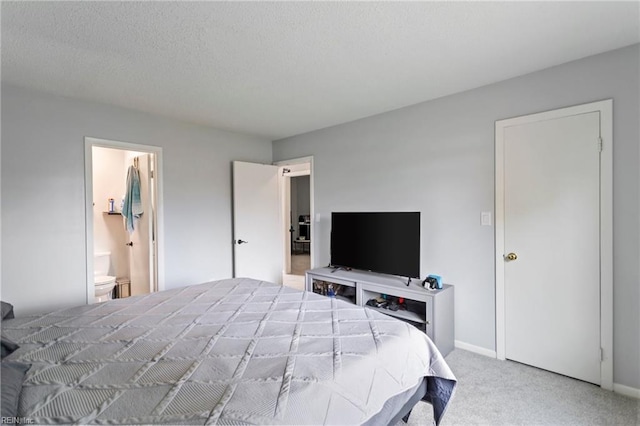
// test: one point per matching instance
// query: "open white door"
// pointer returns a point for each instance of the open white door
(257, 233)
(141, 247)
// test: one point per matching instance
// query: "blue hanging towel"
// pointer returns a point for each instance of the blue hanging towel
(132, 206)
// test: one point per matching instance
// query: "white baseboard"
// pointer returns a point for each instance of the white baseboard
(475, 349)
(626, 390)
(617, 388)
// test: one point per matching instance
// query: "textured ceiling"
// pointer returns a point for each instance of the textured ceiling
(277, 69)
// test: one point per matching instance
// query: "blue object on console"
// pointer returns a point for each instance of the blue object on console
(438, 279)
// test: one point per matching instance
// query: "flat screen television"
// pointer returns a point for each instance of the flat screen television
(384, 242)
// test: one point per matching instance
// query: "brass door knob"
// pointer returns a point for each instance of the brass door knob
(511, 256)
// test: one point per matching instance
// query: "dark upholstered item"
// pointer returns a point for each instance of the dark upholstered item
(12, 377)
(8, 347)
(7, 310)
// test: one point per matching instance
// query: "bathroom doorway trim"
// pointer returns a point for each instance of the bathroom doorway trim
(89, 143)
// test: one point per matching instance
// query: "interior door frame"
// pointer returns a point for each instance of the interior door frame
(605, 108)
(89, 143)
(285, 202)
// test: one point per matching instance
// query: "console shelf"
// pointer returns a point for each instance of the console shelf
(403, 315)
(430, 311)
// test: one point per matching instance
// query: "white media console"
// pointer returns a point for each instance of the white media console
(429, 310)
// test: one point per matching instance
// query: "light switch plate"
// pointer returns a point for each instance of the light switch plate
(485, 218)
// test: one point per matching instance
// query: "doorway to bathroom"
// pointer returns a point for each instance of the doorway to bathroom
(123, 217)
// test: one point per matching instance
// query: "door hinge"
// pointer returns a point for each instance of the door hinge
(151, 172)
(601, 354)
(599, 144)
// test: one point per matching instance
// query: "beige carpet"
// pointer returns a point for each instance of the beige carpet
(492, 392)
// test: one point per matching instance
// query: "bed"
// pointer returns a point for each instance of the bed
(235, 351)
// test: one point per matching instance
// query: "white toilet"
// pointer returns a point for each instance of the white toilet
(103, 282)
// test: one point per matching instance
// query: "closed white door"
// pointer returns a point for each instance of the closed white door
(551, 241)
(257, 225)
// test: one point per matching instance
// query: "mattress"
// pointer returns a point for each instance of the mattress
(236, 351)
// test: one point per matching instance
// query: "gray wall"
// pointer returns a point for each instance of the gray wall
(438, 157)
(293, 190)
(303, 188)
(300, 202)
(43, 194)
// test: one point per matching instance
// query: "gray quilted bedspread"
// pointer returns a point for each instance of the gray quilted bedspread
(235, 351)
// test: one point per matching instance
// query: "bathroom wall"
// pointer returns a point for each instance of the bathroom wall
(109, 181)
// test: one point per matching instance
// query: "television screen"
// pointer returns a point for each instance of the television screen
(384, 242)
